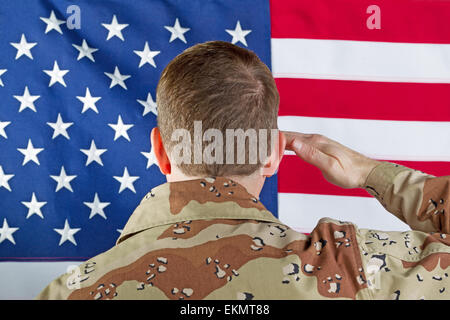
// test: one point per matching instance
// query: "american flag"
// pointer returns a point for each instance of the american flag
(373, 75)
(78, 83)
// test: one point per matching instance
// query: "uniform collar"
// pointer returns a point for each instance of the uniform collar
(199, 199)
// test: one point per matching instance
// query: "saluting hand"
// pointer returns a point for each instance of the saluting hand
(340, 165)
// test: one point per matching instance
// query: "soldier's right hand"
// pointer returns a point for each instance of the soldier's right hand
(339, 164)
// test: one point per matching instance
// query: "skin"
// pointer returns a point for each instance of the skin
(339, 165)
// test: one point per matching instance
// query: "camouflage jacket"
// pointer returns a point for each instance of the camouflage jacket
(210, 239)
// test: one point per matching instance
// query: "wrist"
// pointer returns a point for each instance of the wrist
(369, 165)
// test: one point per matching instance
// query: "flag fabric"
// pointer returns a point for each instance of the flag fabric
(78, 105)
(372, 75)
(77, 89)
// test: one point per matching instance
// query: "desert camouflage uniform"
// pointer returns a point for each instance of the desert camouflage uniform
(210, 239)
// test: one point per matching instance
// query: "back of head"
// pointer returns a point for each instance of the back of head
(222, 87)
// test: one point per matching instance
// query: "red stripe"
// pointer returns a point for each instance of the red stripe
(419, 21)
(297, 176)
(364, 100)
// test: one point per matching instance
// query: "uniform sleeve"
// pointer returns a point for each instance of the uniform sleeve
(421, 200)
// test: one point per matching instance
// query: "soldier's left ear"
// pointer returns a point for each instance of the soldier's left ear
(273, 162)
(160, 152)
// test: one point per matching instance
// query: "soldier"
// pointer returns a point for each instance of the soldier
(205, 235)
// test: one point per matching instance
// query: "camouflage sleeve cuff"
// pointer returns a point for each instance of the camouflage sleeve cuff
(381, 177)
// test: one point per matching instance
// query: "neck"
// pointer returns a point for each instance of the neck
(252, 183)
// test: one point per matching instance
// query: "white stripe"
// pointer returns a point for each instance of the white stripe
(361, 60)
(302, 212)
(380, 139)
(25, 280)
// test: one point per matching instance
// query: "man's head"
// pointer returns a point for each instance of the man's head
(221, 86)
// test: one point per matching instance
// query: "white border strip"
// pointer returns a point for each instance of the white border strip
(361, 60)
(25, 280)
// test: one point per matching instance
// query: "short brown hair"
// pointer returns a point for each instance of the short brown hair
(225, 87)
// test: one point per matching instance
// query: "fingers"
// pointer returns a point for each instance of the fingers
(321, 142)
(294, 140)
(309, 152)
(315, 149)
(316, 157)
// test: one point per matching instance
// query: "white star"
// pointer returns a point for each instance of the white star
(30, 153)
(147, 55)
(85, 51)
(56, 75)
(177, 31)
(115, 29)
(60, 127)
(27, 100)
(149, 105)
(119, 230)
(67, 233)
(23, 47)
(52, 23)
(238, 34)
(121, 129)
(97, 206)
(4, 178)
(2, 71)
(6, 232)
(117, 78)
(93, 154)
(151, 159)
(34, 206)
(3, 125)
(88, 101)
(63, 180)
(126, 181)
